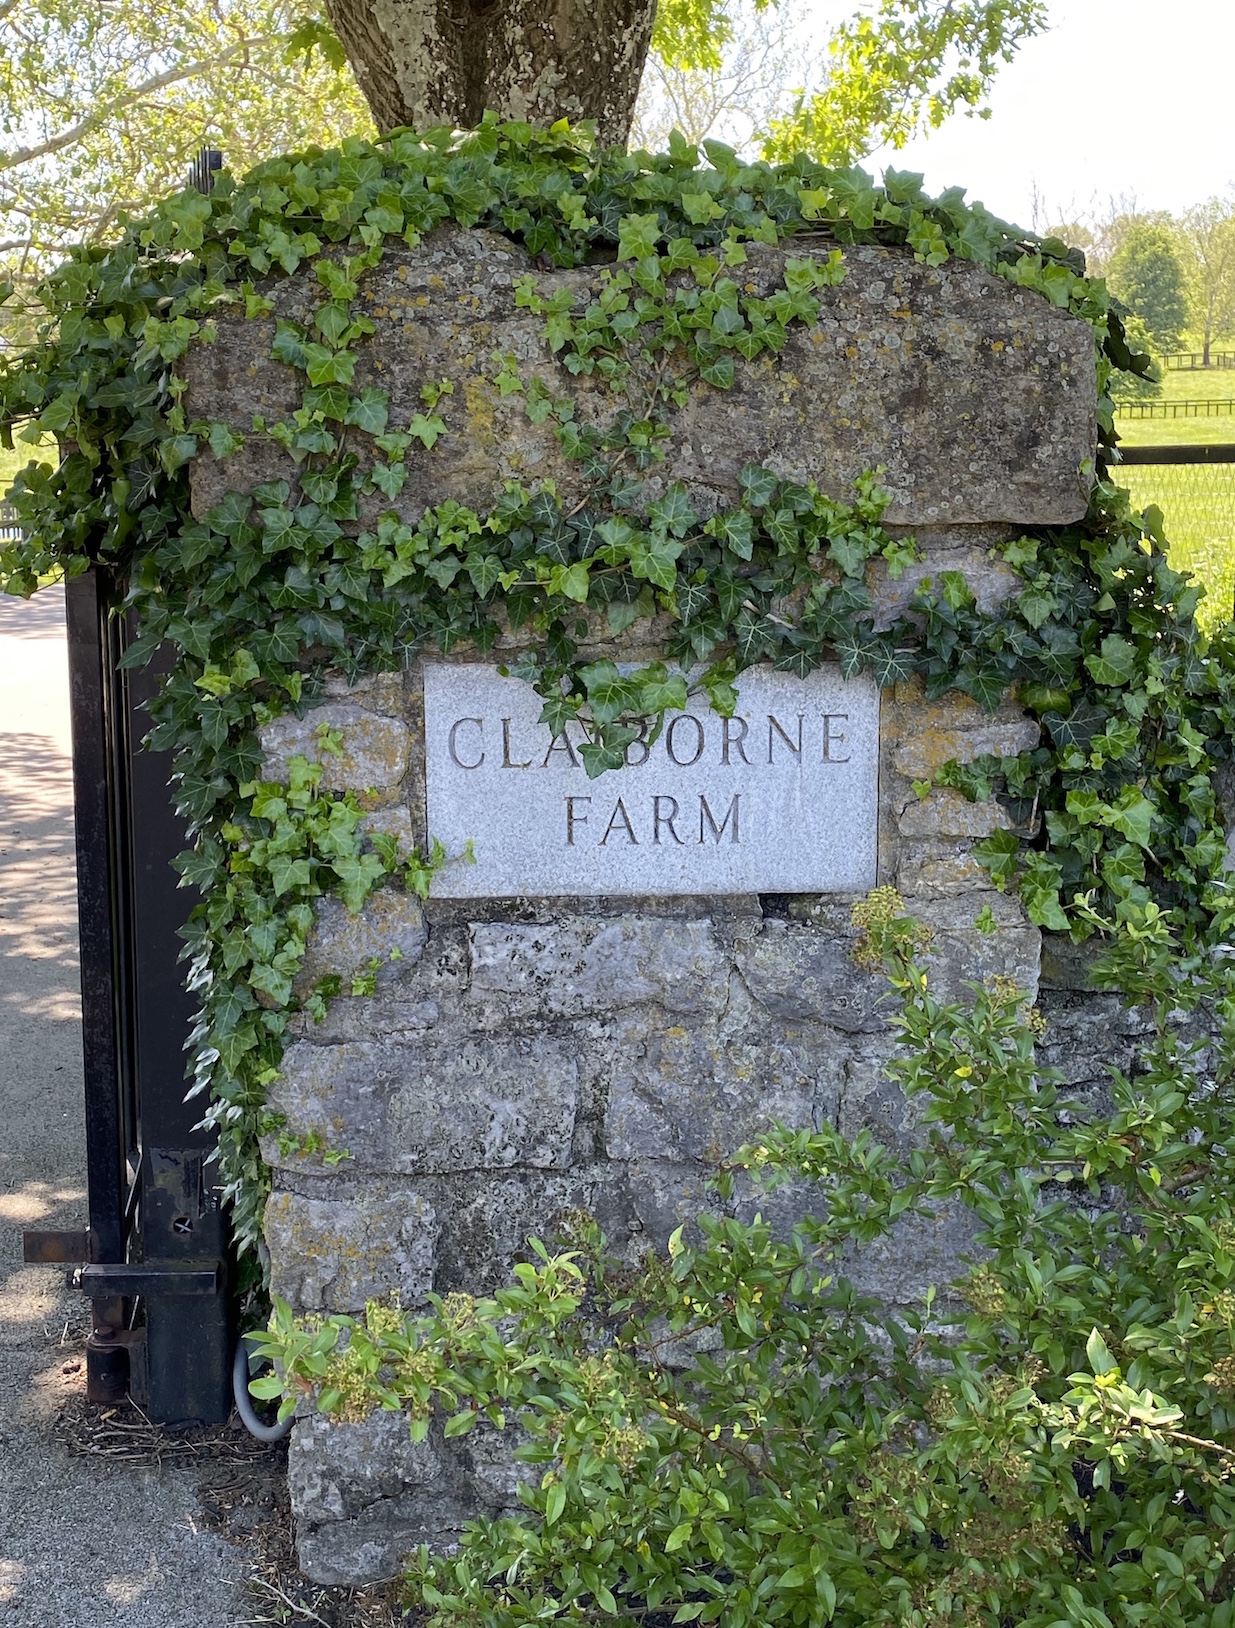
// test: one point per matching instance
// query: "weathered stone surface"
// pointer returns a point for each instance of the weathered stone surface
(960, 957)
(395, 821)
(990, 578)
(524, 1061)
(931, 871)
(799, 972)
(408, 1106)
(975, 395)
(931, 745)
(567, 968)
(918, 1254)
(365, 1495)
(682, 1093)
(374, 753)
(383, 693)
(336, 1469)
(333, 1255)
(946, 813)
(345, 944)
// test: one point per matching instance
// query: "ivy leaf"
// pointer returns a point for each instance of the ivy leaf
(655, 559)
(673, 512)
(1036, 605)
(638, 236)
(597, 757)
(719, 372)
(998, 853)
(1132, 815)
(368, 410)
(888, 664)
(851, 552)
(428, 428)
(661, 691)
(570, 580)
(485, 571)
(758, 485)
(751, 637)
(287, 873)
(1079, 727)
(800, 660)
(326, 366)
(608, 693)
(693, 599)
(1116, 662)
(289, 345)
(389, 479)
(736, 531)
(358, 876)
(330, 400)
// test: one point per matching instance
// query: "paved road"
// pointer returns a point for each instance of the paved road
(82, 1545)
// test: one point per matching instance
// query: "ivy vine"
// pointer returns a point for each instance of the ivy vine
(270, 589)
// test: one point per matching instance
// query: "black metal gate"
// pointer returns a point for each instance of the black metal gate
(154, 1261)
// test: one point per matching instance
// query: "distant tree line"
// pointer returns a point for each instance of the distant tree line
(1174, 273)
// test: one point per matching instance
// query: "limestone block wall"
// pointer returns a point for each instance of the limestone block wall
(522, 1059)
(528, 1056)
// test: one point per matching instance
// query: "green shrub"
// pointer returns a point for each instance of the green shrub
(733, 1434)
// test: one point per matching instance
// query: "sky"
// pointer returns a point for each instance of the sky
(1121, 98)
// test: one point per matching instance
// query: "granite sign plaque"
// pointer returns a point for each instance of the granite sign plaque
(780, 798)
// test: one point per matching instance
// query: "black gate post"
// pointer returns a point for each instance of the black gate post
(188, 1337)
(155, 1260)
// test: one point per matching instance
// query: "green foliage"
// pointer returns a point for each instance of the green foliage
(1147, 274)
(261, 869)
(107, 102)
(904, 65)
(267, 590)
(734, 1433)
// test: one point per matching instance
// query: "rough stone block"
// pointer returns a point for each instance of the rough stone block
(799, 972)
(344, 944)
(334, 1254)
(946, 813)
(382, 693)
(962, 954)
(365, 1495)
(976, 396)
(959, 958)
(577, 966)
(917, 1254)
(375, 750)
(929, 871)
(405, 1105)
(395, 821)
(991, 580)
(663, 1197)
(688, 1094)
(872, 1101)
(929, 745)
(487, 1220)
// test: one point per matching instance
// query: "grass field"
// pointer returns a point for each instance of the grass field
(1197, 500)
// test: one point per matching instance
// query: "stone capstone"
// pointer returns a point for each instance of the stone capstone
(975, 396)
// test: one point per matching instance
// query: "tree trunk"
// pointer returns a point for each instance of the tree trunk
(425, 62)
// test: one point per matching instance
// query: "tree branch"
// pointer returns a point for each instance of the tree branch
(100, 115)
